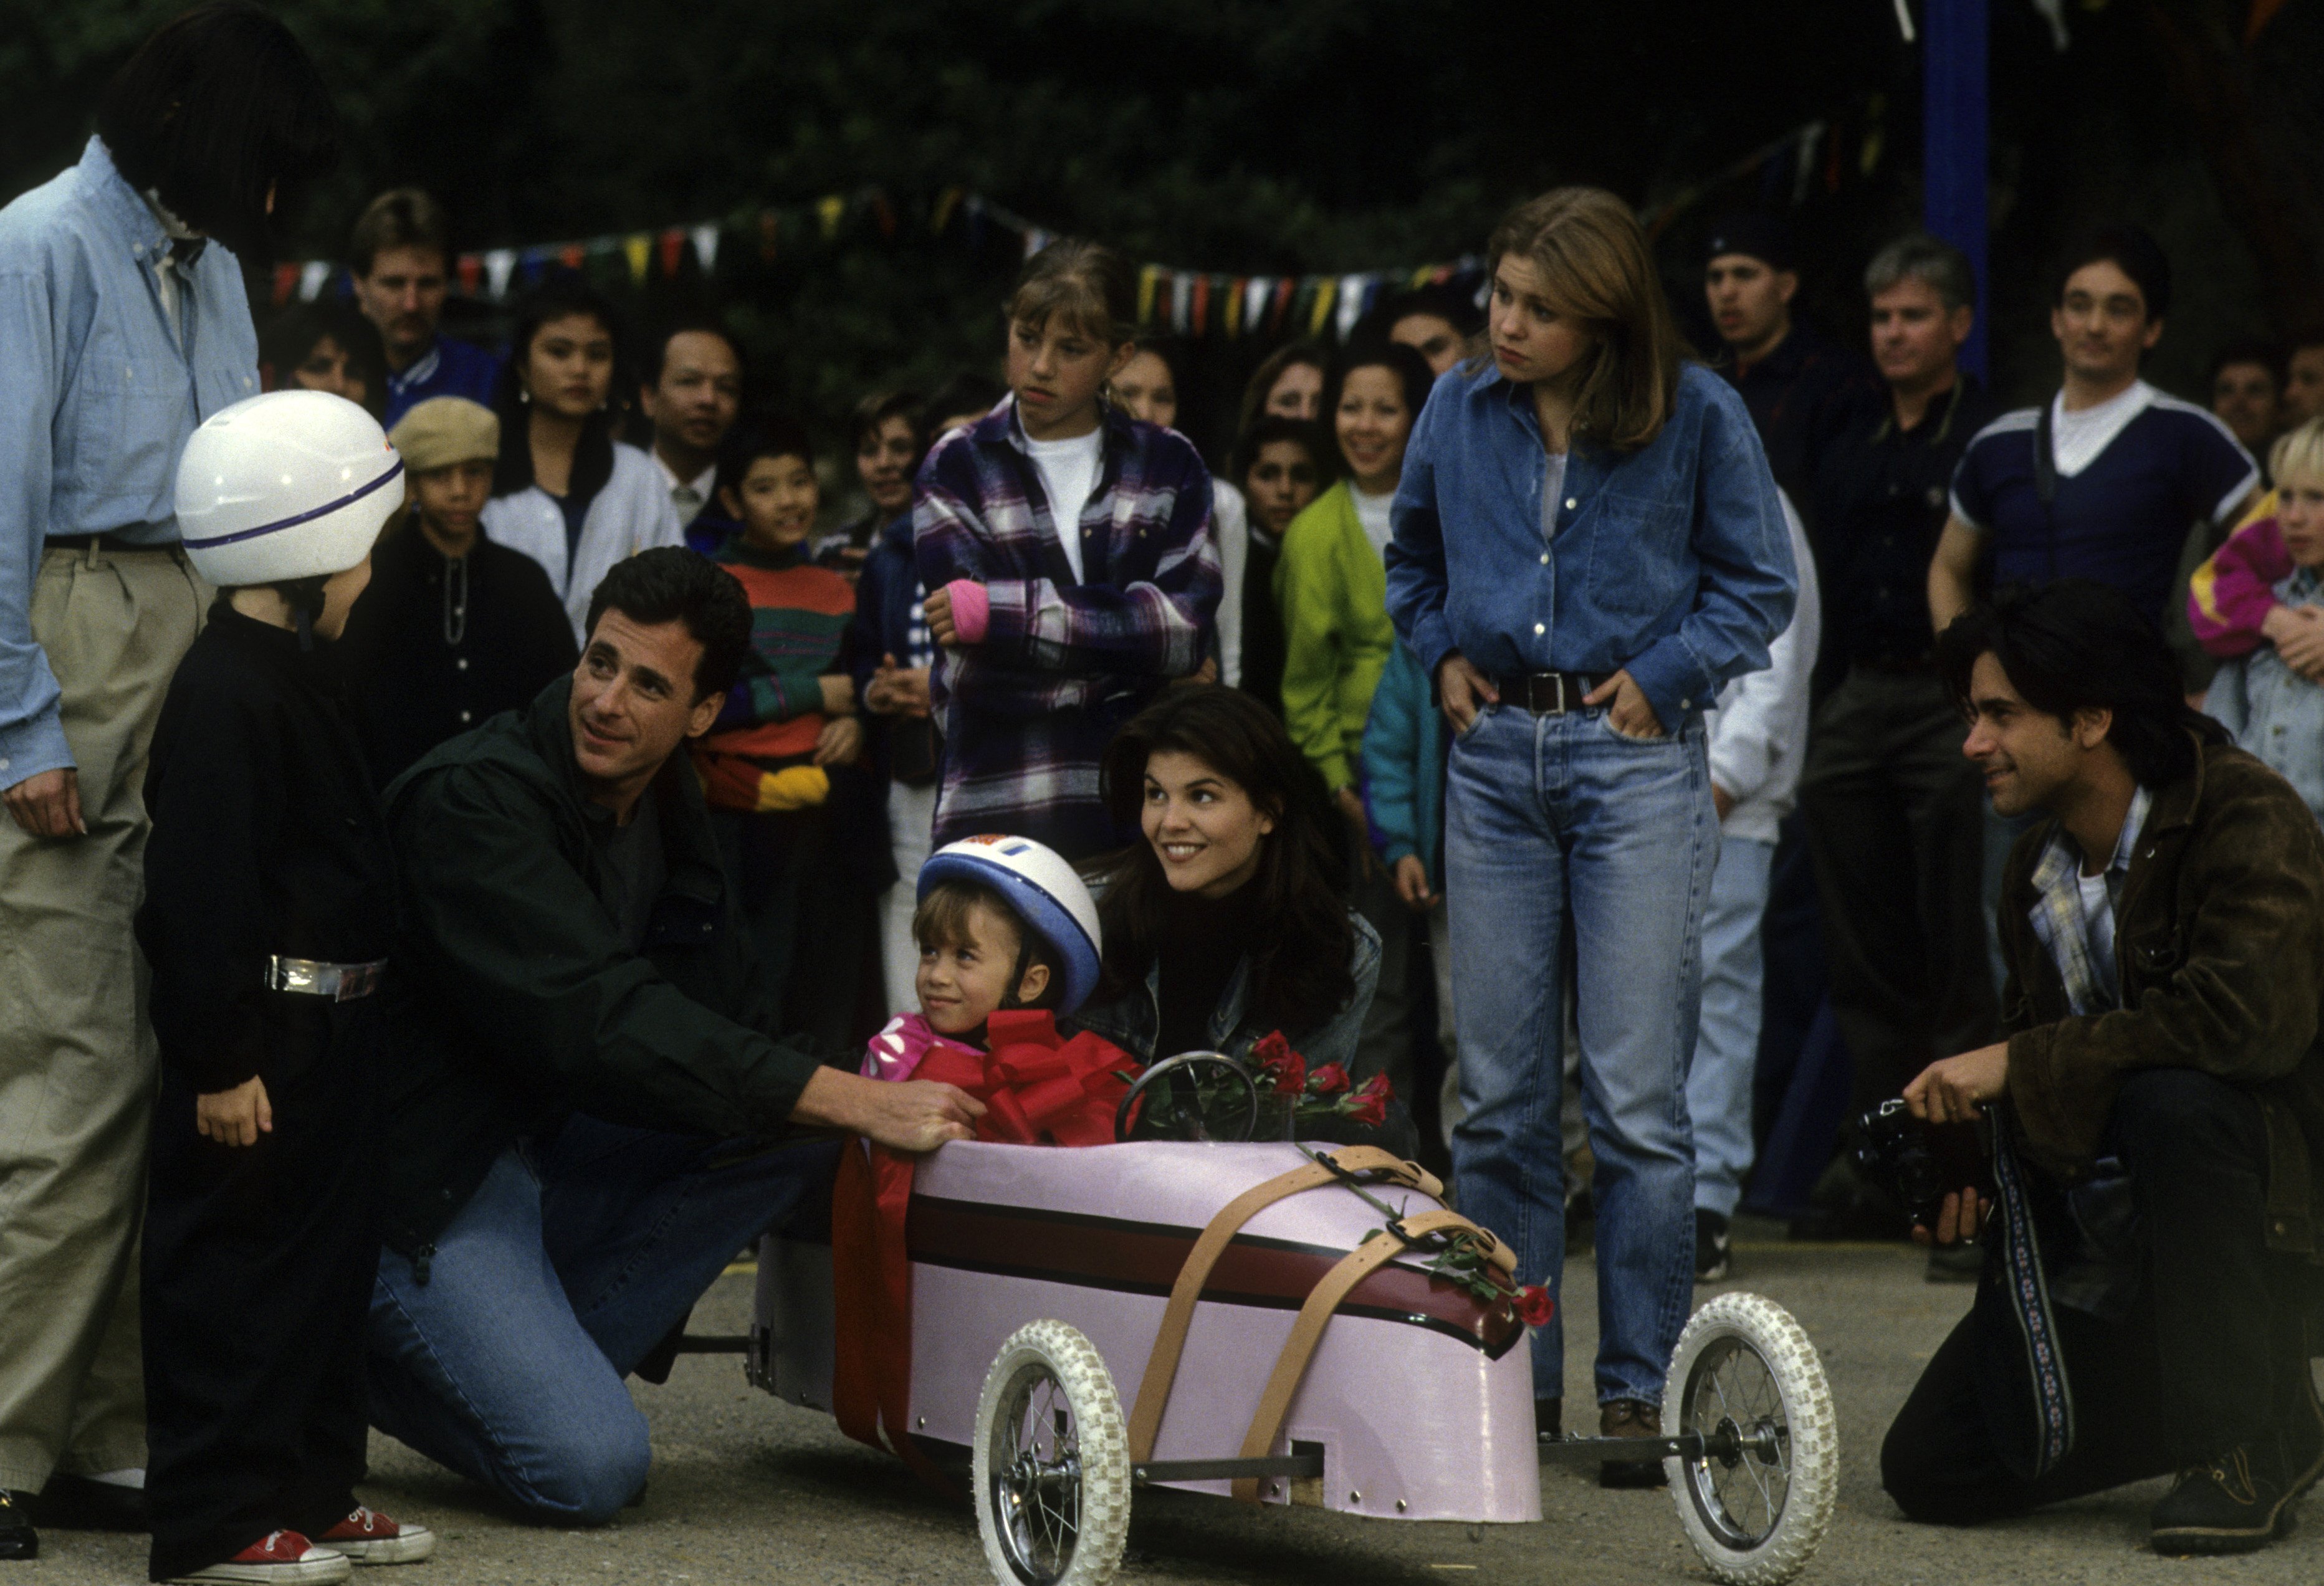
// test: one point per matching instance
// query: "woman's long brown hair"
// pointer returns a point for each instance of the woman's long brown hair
(1302, 939)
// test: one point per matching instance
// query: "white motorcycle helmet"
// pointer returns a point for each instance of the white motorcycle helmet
(290, 484)
(1044, 890)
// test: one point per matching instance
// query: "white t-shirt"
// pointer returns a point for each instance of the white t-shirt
(2077, 439)
(1372, 512)
(1068, 473)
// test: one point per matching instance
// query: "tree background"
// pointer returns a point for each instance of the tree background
(1265, 136)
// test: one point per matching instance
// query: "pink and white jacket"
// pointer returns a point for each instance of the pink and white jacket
(894, 1053)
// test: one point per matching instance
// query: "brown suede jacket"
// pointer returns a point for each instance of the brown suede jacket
(2219, 939)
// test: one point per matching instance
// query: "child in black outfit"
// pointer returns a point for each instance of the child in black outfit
(269, 907)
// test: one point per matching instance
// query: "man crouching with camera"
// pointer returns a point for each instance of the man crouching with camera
(2157, 1111)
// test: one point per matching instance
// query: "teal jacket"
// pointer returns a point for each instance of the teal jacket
(1403, 767)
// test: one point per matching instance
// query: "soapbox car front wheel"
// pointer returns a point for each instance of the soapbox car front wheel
(1051, 1461)
(1747, 1381)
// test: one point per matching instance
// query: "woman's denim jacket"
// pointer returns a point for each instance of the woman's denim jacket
(1133, 1022)
(1672, 562)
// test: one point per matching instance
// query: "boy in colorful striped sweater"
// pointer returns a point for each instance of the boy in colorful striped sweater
(780, 768)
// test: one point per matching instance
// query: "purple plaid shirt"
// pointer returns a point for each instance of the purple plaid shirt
(1026, 712)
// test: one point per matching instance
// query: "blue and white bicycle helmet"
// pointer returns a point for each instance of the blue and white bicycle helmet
(1044, 890)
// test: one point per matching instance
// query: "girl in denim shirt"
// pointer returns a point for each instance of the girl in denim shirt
(1587, 544)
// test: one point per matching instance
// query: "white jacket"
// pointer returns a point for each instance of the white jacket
(1759, 733)
(632, 514)
(1231, 529)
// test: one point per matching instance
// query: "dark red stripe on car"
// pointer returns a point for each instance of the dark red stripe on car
(1144, 1258)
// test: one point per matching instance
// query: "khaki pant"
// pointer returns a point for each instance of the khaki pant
(77, 1056)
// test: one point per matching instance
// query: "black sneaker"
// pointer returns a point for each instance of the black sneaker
(2240, 1502)
(75, 1503)
(1710, 1247)
(18, 1540)
(1549, 1420)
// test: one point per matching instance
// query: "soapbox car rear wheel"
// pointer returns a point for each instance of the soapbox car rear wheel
(1756, 1501)
(1052, 1461)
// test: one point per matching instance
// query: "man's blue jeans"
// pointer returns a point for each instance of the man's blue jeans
(1546, 818)
(571, 1262)
(1727, 1051)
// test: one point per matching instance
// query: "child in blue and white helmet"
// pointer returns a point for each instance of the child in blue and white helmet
(1004, 923)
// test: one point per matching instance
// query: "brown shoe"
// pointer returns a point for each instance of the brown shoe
(1628, 1418)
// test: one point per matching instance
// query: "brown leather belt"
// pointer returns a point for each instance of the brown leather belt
(1548, 694)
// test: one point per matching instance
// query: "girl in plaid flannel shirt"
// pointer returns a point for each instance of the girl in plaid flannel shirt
(1049, 640)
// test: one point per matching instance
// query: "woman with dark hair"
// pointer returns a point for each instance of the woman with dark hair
(565, 491)
(1332, 583)
(1226, 922)
(1588, 545)
(1288, 383)
(124, 325)
(1331, 587)
(1278, 469)
(328, 347)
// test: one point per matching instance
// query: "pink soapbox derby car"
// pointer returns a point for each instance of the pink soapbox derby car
(1259, 1320)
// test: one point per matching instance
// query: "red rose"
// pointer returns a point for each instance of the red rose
(1272, 1050)
(1290, 1075)
(1534, 1307)
(1329, 1080)
(1368, 1106)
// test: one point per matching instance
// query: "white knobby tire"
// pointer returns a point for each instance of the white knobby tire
(1746, 1378)
(1052, 1461)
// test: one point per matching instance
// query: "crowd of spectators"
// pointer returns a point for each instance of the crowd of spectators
(1618, 755)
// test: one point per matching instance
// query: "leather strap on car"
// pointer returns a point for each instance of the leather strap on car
(1162, 1365)
(1291, 1365)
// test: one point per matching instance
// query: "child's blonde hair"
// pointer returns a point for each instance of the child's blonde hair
(1088, 283)
(2299, 454)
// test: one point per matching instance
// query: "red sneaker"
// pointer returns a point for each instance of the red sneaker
(279, 1558)
(369, 1538)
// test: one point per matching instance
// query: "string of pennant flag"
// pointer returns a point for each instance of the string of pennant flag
(1188, 302)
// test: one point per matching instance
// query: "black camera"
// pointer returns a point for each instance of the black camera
(1921, 1163)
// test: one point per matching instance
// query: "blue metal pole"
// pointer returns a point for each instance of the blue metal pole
(1953, 143)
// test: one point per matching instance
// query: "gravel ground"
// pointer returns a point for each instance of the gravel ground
(747, 1490)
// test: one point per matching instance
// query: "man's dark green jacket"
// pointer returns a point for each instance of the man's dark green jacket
(512, 998)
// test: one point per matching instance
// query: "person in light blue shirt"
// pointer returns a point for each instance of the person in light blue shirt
(123, 324)
(1588, 545)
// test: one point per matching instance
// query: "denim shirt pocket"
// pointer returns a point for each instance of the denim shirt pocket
(1639, 561)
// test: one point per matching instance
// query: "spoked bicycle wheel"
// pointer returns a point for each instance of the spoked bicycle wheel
(1051, 1461)
(1756, 1502)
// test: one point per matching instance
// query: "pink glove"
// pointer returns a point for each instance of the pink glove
(971, 609)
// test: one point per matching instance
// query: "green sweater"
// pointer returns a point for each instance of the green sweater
(1332, 589)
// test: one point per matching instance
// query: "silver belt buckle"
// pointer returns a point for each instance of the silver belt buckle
(341, 983)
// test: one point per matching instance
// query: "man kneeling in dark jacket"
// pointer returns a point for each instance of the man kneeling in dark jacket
(587, 1116)
(2157, 1106)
